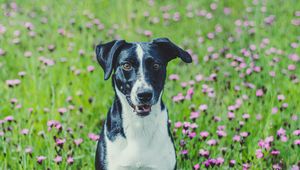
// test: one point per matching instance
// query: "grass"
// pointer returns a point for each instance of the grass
(45, 89)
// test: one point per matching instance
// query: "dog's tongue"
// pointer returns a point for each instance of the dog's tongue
(143, 108)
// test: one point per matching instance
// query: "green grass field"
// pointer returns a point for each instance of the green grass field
(242, 88)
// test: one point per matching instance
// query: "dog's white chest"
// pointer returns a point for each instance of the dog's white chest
(147, 145)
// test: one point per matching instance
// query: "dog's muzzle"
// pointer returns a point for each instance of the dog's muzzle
(144, 102)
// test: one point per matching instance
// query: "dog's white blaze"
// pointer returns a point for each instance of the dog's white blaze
(140, 54)
(140, 82)
(147, 144)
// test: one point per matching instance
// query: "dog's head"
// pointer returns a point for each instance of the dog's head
(139, 69)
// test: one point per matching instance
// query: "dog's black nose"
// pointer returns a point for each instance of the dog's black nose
(144, 96)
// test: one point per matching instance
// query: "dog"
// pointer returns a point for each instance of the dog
(136, 132)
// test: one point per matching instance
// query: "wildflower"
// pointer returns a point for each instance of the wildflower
(232, 108)
(199, 77)
(291, 67)
(204, 134)
(30, 110)
(221, 133)
(70, 160)
(78, 141)
(62, 111)
(81, 52)
(232, 163)
(24, 131)
(246, 166)
(148, 33)
(281, 132)
(12, 83)
(194, 115)
(28, 150)
(280, 97)
(192, 135)
(51, 48)
(90, 68)
(219, 161)
(284, 105)
(296, 132)
(244, 134)
(174, 77)
(295, 167)
(230, 115)
(13, 101)
(275, 152)
(269, 20)
(259, 154)
(211, 142)
(294, 117)
(178, 98)
(190, 93)
(2, 52)
(69, 99)
(93, 136)
(204, 153)
(297, 142)
(2, 29)
(226, 10)
(258, 117)
(60, 142)
(203, 107)
(28, 54)
(53, 123)
(186, 125)
(193, 126)
(9, 118)
(182, 143)
(178, 124)
(184, 84)
(207, 163)
(283, 138)
(57, 159)
(176, 16)
(29, 25)
(269, 139)
(217, 118)
(184, 152)
(274, 110)
(236, 138)
(196, 167)
(40, 159)
(246, 116)
(259, 93)
(276, 167)
(272, 73)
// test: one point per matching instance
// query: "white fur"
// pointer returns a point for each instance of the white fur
(147, 144)
(140, 82)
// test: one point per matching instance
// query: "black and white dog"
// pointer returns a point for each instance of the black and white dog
(136, 132)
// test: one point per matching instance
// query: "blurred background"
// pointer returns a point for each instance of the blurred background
(236, 105)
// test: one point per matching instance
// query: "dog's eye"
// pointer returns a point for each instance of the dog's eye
(127, 66)
(156, 66)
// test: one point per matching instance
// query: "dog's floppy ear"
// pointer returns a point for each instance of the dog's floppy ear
(172, 50)
(106, 55)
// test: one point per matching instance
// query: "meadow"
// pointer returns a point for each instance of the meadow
(237, 106)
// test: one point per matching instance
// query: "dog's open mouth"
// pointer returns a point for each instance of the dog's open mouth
(142, 110)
